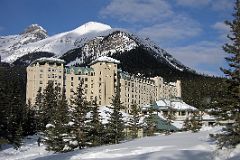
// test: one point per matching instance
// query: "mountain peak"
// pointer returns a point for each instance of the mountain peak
(91, 27)
(36, 30)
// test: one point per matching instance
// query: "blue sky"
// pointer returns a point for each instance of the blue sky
(191, 30)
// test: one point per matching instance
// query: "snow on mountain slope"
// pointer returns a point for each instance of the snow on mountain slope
(59, 43)
(9, 44)
(95, 40)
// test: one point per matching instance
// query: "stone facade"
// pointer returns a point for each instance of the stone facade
(100, 80)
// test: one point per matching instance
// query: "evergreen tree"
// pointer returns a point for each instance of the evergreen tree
(49, 104)
(38, 107)
(134, 121)
(79, 109)
(195, 122)
(57, 136)
(15, 116)
(116, 123)
(12, 107)
(186, 124)
(150, 127)
(29, 120)
(170, 116)
(229, 105)
(96, 128)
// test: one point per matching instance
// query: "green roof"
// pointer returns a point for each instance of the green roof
(162, 124)
(79, 70)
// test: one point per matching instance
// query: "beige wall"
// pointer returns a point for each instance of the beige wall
(38, 76)
(100, 81)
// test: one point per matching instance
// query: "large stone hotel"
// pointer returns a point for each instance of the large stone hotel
(100, 80)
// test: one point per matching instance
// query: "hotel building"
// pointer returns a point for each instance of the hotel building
(100, 80)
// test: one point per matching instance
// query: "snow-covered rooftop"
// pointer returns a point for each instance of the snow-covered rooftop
(105, 59)
(47, 59)
(175, 104)
(182, 106)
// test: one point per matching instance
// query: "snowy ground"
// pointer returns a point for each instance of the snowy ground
(178, 146)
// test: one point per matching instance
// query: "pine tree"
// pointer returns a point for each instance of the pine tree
(57, 136)
(12, 106)
(116, 123)
(47, 108)
(229, 105)
(29, 120)
(186, 124)
(38, 107)
(134, 121)
(79, 108)
(170, 116)
(196, 122)
(96, 128)
(150, 127)
(15, 117)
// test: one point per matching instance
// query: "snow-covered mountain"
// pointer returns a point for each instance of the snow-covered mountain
(93, 39)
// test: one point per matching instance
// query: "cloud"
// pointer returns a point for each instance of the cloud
(222, 5)
(193, 3)
(180, 27)
(219, 5)
(201, 55)
(137, 10)
(221, 26)
(222, 29)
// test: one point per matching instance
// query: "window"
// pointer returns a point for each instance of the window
(86, 85)
(79, 78)
(100, 72)
(41, 70)
(59, 77)
(71, 83)
(85, 91)
(71, 78)
(49, 69)
(86, 79)
(41, 82)
(41, 76)
(100, 91)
